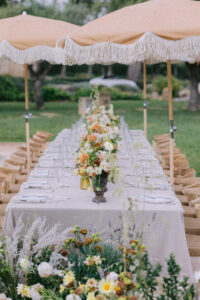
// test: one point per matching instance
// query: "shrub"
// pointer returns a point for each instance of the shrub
(82, 93)
(161, 82)
(125, 96)
(8, 89)
(54, 94)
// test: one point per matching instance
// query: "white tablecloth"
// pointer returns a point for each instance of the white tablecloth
(146, 189)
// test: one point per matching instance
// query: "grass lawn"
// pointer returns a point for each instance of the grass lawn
(59, 115)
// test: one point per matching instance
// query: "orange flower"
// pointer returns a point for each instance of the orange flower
(96, 127)
(84, 157)
(88, 241)
(83, 231)
(91, 138)
(98, 144)
(99, 248)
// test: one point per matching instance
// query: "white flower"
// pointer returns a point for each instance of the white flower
(23, 290)
(108, 146)
(44, 270)
(91, 283)
(34, 291)
(97, 260)
(98, 170)
(105, 166)
(68, 278)
(24, 264)
(90, 171)
(116, 130)
(3, 297)
(73, 297)
(91, 296)
(112, 276)
(197, 276)
(107, 286)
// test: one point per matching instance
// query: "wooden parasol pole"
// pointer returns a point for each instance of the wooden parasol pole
(171, 121)
(27, 119)
(145, 96)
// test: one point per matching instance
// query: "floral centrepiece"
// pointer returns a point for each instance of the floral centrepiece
(75, 265)
(96, 158)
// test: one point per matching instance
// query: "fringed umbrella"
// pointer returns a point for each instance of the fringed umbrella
(153, 31)
(26, 39)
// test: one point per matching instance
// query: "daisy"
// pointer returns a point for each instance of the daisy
(68, 278)
(107, 286)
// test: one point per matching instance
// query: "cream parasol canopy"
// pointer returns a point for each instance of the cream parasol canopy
(153, 31)
(156, 31)
(26, 39)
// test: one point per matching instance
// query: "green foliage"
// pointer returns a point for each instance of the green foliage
(11, 10)
(8, 89)
(115, 95)
(116, 4)
(12, 89)
(161, 82)
(82, 93)
(173, 288)
(76, 14)
(54, 94)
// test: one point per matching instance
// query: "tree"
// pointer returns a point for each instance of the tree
(38, 72)
(193, 72)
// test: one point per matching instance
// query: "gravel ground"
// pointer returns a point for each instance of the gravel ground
(6, 149)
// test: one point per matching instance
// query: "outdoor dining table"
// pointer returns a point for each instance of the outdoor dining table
(142, 199)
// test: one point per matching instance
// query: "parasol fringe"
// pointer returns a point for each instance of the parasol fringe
(149, 47)
(54, 55)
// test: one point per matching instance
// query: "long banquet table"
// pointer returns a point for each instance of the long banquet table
(142, 199)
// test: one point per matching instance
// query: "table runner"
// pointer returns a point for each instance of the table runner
(143, 199)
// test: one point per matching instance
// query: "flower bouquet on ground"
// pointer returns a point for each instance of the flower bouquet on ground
(96, 160)
(74, 265)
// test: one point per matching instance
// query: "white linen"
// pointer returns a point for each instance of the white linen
(143, 197)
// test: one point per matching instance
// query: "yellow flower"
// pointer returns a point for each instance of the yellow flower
(62, 288)
(91, 296)
(107, 286)
(82, 171)
(117, 289)
(68, 278)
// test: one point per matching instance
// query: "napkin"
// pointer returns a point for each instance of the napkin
(33, 198)
(51, 156)
(29, 185)
(39, 173)
(148, 199)
(46, 164)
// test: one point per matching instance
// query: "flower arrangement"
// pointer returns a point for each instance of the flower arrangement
(96, 156)
(75, 265)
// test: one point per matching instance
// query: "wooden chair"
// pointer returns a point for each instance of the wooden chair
(187, 181)
(2, 219)
(192, 193)
(44, 134)
(193, 242)
(192, 226)
(183, 199)
(161, 137)
(189, 211)
(3, 209)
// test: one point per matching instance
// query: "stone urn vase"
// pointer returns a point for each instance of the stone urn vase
(99, 191)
